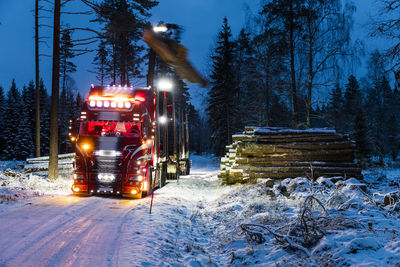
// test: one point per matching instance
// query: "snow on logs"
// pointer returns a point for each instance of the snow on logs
(269, 152)
(40, 165)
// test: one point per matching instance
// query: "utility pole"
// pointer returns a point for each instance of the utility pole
(53, 161)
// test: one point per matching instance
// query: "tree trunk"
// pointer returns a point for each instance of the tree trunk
(267, 98)
(292, 68)
(37, 78)
(310, 77)
(182, 134)
(114, 63)
(187, 136)
(174, 118)
(53, 161)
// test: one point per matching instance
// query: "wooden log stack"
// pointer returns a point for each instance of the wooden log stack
(269, 152)
(40, 165)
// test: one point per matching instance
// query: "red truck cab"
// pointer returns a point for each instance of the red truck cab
(115, 142)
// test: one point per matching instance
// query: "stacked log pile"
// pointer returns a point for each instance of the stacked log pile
(40, 165)
(268, 152)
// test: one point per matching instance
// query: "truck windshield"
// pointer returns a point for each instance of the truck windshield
(110, 128)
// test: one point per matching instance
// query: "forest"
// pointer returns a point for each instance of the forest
(294, 64)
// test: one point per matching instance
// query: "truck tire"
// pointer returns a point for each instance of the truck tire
(149, 184)
(163, 176)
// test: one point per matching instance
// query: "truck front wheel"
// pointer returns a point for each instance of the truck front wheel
(148, 191)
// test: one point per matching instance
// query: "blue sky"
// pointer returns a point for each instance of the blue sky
(201, 19)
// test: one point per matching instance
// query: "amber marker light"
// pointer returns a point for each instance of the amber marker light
(85, 147)
(134, 191)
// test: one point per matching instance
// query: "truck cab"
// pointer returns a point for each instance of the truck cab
(114, 142)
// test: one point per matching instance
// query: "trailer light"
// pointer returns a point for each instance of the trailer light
(163, 119)
(106, 104)
(117, 192)
(120, 104)
(99, 104)
(85, 147)
(91, 191)
(92, 103)
(128, 105)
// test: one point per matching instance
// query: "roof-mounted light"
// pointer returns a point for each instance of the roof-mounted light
(140, 98)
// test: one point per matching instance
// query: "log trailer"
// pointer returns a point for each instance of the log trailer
(117, 144)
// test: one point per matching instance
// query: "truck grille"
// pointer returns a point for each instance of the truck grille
(110, 164)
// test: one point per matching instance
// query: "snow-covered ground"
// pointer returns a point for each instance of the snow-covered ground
(196, 221)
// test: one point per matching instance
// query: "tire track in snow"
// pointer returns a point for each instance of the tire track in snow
(82, 233)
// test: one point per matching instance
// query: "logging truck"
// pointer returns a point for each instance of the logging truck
(117, 144)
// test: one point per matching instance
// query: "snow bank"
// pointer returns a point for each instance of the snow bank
(197, 221)
(15, 185)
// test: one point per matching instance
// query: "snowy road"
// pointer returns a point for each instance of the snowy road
(64, 231)
(196, 222)
(67, 230)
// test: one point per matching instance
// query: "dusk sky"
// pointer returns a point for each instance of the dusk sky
(201, 20)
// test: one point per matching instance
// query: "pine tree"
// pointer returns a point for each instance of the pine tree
(352, 102)
(44, 119)
(335, 109)
(2, 122)
(124, 21)
(362, 152)
(13, 112)
(393, 136)
(101, 63)
(66, 54)
(285, 17)
(220, 109)
(246, 83)
(24, 140)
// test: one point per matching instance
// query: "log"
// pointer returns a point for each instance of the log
(46, 158)
(281, 163)
(285, 153)
(288, 138)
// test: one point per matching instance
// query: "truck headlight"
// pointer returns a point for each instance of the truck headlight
(106, 177)
(136, 178)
